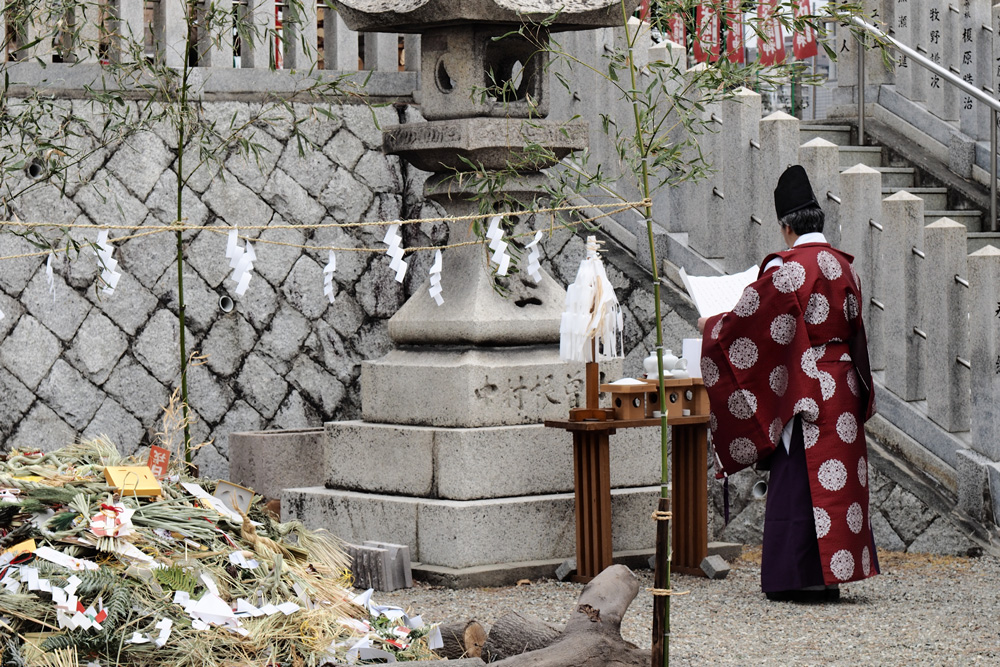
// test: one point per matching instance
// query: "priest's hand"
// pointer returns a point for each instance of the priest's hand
(701, 324)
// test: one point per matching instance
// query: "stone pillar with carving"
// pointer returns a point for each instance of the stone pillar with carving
(450, 456)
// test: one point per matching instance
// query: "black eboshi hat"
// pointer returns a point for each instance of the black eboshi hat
(793, 192)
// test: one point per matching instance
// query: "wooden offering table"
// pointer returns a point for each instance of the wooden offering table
(689, 463)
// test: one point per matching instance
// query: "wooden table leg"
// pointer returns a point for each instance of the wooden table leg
(689, 460)
(592, 477)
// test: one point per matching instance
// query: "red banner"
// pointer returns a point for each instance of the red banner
(772, 47)
(678, 33)
(735, 39)
(804, 43)
(644, 10)
(706, 36)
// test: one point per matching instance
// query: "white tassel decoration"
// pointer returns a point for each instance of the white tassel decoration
(241, 261)
(50, 277)
(592, 313)
(395, 250)
(435, 290)
(109, 274)
(498, 246)
(534, 263)
(328, 270)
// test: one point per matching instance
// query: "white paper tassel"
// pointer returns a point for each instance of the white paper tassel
(592, 313)
(534, 263)
(328, 270)
(435, 290)
(498, 246)
(50, 277)
(109, 273)
(395, 250)
(241, 261)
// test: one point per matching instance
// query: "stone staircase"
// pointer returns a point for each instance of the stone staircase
(899, 175)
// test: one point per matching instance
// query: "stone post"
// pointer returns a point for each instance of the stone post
(847, 47)
(779, 148)
(984, 328)
(31, 29)
(942, 41)
(663, 198)
(689, 202)
(706, 231)
(411, 52)
(216, 48)
(741, 116)
(169, 29)
(256, 52)
(128, 30)
(299, 39)
(821, 160)
(903, 220)
(382, 52)
(340, 43)
(88, 29)
(910, 77)
(948, 399)
(976, 60)
(861, 205)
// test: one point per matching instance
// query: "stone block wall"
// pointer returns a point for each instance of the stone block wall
(78, 363)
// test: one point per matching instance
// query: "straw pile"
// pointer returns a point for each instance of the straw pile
(93, 577)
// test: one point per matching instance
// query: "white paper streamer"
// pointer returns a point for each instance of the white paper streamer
(592, 313)
(328, 270)
(498, 246)
(435, 290)
(49, 277)
(241, 261)
(395, 250)
(534, 263)
(109, 273)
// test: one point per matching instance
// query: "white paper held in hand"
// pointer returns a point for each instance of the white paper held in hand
(717, 294)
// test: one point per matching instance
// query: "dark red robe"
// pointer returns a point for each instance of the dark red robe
(795, 345)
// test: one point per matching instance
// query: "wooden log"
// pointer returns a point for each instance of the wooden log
(592, 637)
(516, 633)
(464, 639)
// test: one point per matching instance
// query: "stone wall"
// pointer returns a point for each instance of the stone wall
(77, 363)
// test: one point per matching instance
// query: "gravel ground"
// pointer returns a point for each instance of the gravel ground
(922, 610)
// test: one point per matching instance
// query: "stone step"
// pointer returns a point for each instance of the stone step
(852, 155)
(934, 198)
(496, 530)
(835, 134)
(972, 219)
(898, 177)
(979, 240)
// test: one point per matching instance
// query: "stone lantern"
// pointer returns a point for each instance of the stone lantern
(462, 396)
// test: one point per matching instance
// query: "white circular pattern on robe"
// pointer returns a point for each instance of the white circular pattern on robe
(809, 359)
(829, 265)
(748, 303)
(808, 408)
(855, 518)
(713, 422)
(842, 565)
(779, 380)
(717, 329)
(810, 434)
(743, 404)
(709, 372)
(822, 520)
(832, 475)
(783, 329)
(854, 274)
(851, 309)
(863, 471)
(743, 353)
(827, 385)
(816, 310)
(775, 431)
(866, 561)
(852, 381)
(847, 427)
(789, 277)
(743, 451)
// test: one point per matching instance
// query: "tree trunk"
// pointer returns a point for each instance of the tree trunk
(515, 633)
(462, 640)
(593, 634)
